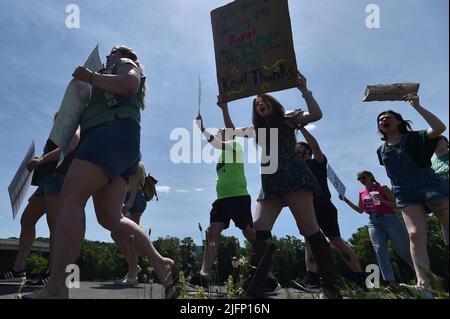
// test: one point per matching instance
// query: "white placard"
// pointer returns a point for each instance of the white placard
(19, 185)
(334, 179)
(75, 100)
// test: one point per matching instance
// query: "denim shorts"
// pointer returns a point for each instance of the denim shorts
(139, 204)
(113, 146)
(50, 185)
(429, 192)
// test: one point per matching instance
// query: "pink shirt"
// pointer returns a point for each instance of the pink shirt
(370, 206)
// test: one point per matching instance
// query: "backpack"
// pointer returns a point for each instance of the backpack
(149, 188)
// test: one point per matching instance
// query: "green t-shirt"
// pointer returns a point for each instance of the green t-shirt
(97, 112)
(440, 166)
(231, 180)
(418, 146)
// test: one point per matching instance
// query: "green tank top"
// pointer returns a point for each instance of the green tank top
(231, 180)
(98, 112)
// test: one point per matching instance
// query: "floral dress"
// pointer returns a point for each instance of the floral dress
(292, 175)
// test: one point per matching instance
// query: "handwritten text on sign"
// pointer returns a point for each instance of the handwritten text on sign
(335, 180)
(254, 48)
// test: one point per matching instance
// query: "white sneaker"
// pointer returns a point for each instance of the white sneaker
(126, 281)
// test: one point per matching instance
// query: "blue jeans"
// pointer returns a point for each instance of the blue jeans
(383, 227)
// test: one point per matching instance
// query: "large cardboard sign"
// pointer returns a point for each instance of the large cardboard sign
(72, 106)
(254, 48)
(21, 181)
(389, 92)
(336, 181)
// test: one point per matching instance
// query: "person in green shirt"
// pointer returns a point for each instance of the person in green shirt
(440, 165)
(108, 154)
(233, 200)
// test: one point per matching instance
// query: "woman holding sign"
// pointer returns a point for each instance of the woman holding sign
(379, 203)
(107, 156)
(45, 200)
(290, 183)
(406, 155)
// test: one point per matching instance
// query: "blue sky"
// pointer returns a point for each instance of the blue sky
(173, 38)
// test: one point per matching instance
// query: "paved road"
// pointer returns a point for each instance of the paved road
(105, 290)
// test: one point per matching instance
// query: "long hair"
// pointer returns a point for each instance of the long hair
(404, 127)
(129, 53)
(367, 173)
(275, 119)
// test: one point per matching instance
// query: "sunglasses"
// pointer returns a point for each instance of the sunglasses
(361, 178)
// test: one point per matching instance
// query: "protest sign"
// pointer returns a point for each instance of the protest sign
(19, 185)
(254, 48)
(73, 104)
(334, 179)
(390, 92)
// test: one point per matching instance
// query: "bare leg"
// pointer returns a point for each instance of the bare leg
(52, 205)
(267, 213)
(108, 207)
(32, 213)
(348, 255)
(414, 217)
(211, 247)
(440, 210)
(301, 206)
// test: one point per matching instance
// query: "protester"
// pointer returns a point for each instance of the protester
(233, 200)
(440, 165)
(45, 200)
(133, 208)
(406, 155)
(326, 214)
(378, 202)
(291, 184)
(107, 156)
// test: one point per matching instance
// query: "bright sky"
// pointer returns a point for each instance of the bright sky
(334, 48)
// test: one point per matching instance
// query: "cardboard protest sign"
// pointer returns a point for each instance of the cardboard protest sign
(21, 181)
(254, 48)
(73, 104)
(390, 92)
(335, 180)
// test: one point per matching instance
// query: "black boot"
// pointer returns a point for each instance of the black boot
(261, 256)
(321, 251)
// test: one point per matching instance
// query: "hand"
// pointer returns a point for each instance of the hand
(222, 103)
(301, 82)
(199, 121)
(34, 163)
(413, 99)
(82, 74)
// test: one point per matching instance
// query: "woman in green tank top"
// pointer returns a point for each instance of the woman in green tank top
(107, 156)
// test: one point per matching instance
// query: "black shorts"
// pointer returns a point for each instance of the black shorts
(238, 209)
(327, 217)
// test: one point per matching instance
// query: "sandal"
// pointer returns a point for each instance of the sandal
(173, 286)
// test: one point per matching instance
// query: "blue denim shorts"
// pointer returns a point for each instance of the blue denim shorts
(50, 185)
(431, 191)
(113, 146)
(139, 204)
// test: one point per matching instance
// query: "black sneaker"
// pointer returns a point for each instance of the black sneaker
(40, 282)
(12, 276)
(307, 285)
(272, 286)
(199, 280)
